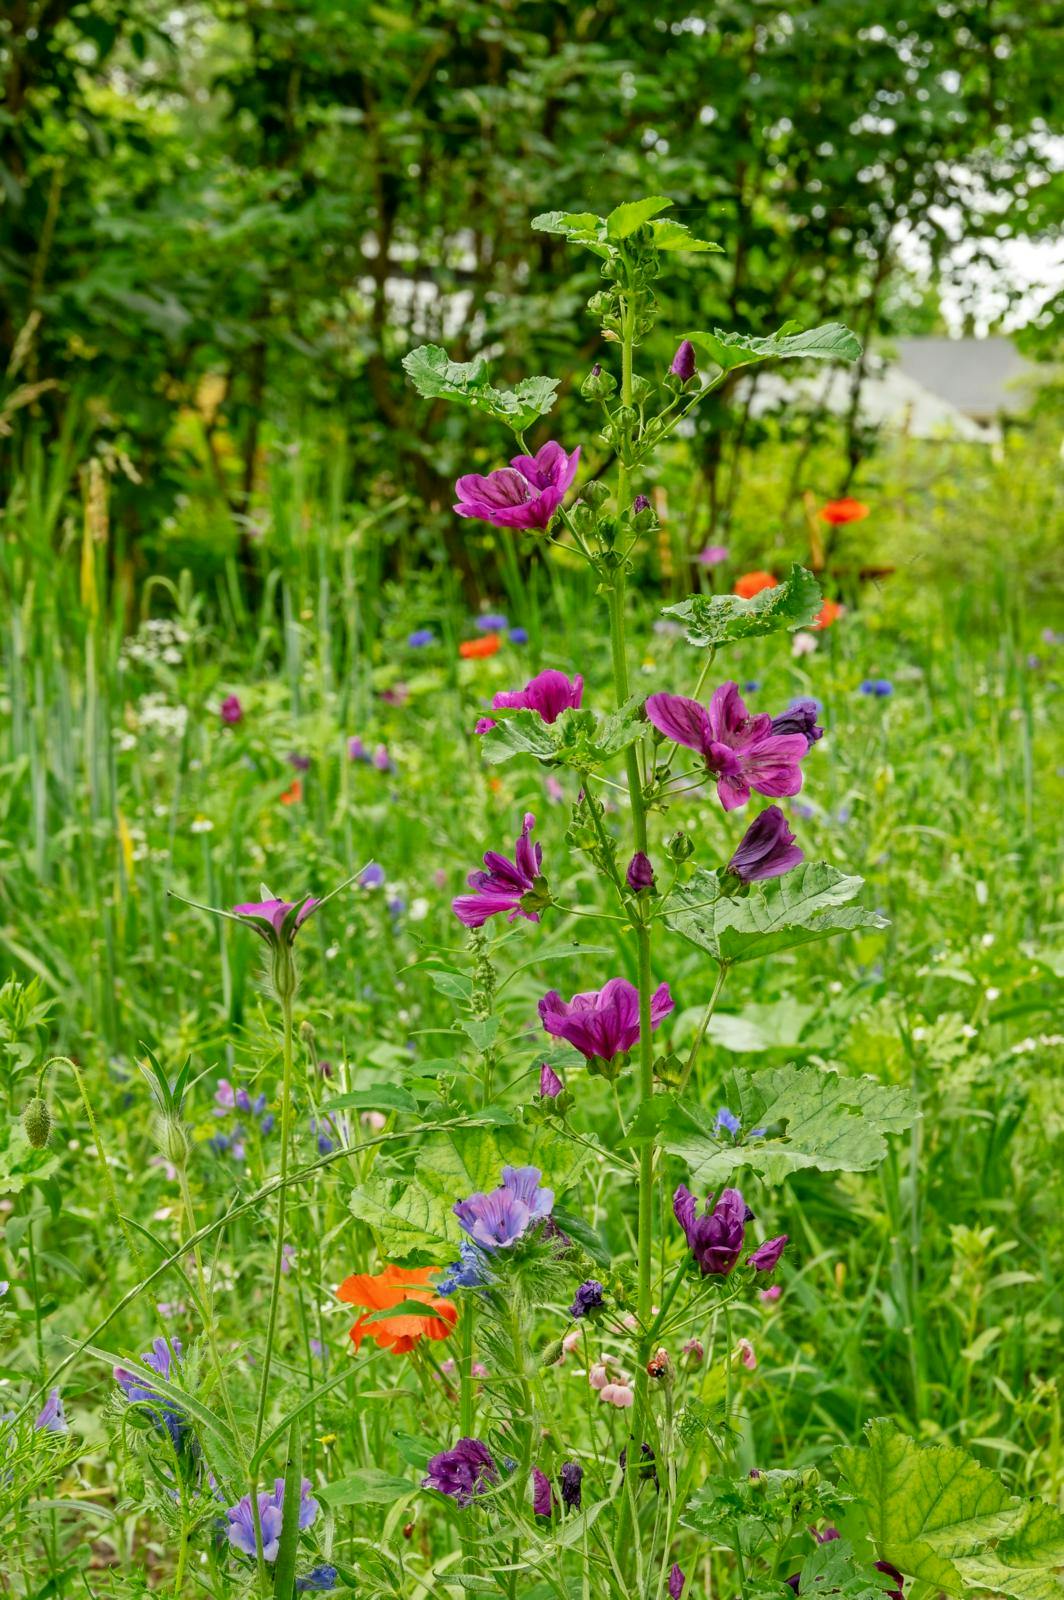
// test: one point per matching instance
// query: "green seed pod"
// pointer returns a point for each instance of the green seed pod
(176, 1148)
(552, 1354)
(37, 1121)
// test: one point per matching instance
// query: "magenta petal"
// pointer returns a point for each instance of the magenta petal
(680, 719)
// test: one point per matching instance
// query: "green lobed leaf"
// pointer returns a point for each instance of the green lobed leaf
(670, 235)
(803, 906)
(713, 620)
(928, 1506)
(832, 1569)
(628, 218)
(580, 227)
(437, 377)
(1025, 1563)
(812, 1117)
(582, 739)
(830, 342)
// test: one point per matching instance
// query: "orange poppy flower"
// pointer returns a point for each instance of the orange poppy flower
(827, 614)
(478, 649)
(752, 583)
(390, 1287)
(839, 511)
(294, 793)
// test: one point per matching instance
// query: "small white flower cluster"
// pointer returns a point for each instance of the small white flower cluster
(155, 714)
(157, 640)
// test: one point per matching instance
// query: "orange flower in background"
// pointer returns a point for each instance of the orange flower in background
(752, 583)
(827, 614)
(392, 1286)
(294, 793)
(839, 511)
(478, 649)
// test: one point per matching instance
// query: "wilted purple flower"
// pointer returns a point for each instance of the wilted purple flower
(739, 750)
(640, 874)
(277, 921)
(231, 711)
(677, 1579)
(497, 1220)
(163, 1356)
(467, 1469)
(800, 717)
(602, 1023)
(52, 1418)
(588, 1298)
(766, 850)
(271, 1508)
(526, 494)
(640, 503)
(420, 638)
(542, 1494)
(713, 555)
(693, 1353)
(767, 1255)
(319, 1578)
(716, 1237)
(550, 1085)
(683, 362)
(881, 688)
(491, 622)
(549, 693)
(571, 1477)
(647, 1464)
(504, 883)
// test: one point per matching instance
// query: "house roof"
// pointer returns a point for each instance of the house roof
(980, 377)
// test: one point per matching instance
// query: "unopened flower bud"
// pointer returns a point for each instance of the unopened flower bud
(595, 493)
(552, 1354)
(599, 384)
(693, 1353)
(683, 362)
(679, 847)
(640, 874)
(37, 1121)
(641, 390)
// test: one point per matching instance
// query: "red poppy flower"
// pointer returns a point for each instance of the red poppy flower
(839, 511)
(827, 615)
(294, 793)
(752, 583)
(392, 1286)
(478, 649)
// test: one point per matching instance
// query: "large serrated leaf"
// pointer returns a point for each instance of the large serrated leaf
(1025, 1563)
(813, 1118)
(524, 733)
(713, 620)
(408, 1217)
(928, 1506)
(670, 235)
(830, 342)
(582, 739)
(805, 905)
(580, 227)
(629, 218)
(467, 383)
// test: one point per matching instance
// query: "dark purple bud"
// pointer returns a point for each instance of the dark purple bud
(827, 1536)
(550, 1085)
(640, 874)
(587, 1298)
(677, 1579)
(571, 1477)
(596, 369)
(715, 1237)
(640, 503)
(800, 717)
(542, 1494)
(766, 850)
(891, 1572)
(766, 1257)
(683, 362)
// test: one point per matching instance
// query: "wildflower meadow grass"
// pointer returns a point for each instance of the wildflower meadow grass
(558, 1099)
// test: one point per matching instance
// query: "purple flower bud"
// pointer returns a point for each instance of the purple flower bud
(766, 1257)
(232, 711)
(587, 1298)
(596, 369)
(827, 1536)
(640, 874)
(766, 850)
(677, 1579)
(640, 503)
(571, 1477)
(715, 1237)
(800, 717)
(683, 362)
(542, 1494)
(550, 1085)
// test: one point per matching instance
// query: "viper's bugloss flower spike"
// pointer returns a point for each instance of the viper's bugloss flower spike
(766, 850)
(740, 750)
(162, 1358)
(683, 362)
(503, 884)
(241, 1519)
(602, 1023)
(466, 1470)
(497, 1220)
(526, 494)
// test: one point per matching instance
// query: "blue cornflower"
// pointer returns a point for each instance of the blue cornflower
(492, 622)
(420, 638)
(518, 635)
(879, 687)
(371, 877)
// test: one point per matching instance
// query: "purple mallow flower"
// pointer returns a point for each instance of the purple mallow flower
(800, 717)
(231, 711)
(504, 883)
(766, 1257)
(526, 494)
(571, 1477)
(740, 751)
(542, 1494)
(713, 555)
(602, 1023)
(241, 1519)
(683, 362)
(640, 874)
(549, 693)
(495, 1221)
(51, 1418)
(277, 920)
(677, 1579)
(467, 1469)
(716, 1237)
(162, 1358)
(766, 850)
(588, 1298)
(550, 1085)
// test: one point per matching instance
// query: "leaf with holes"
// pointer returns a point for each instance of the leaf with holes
(830, 342)
(713, 620)
(805, 905)
(434, 375)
